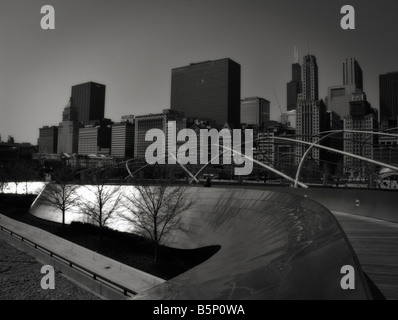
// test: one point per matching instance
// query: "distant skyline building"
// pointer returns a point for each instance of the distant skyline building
(387, 150)
(388, 85)
(123, 139)
(334, 160)
(208, 90)
(68, 130)
(311, 120)
(48, 140)
(352, 73)
(310, 81)
(95, 139)
(89, 100)
(311, 116)
(254, 111)
(289, 118)
(294, 86)
(144, 123)
(362, 118)
(339, 98)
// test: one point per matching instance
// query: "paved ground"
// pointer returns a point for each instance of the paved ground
(376, 245)
(113, 270)
(20, 279)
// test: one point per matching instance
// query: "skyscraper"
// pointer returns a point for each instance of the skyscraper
(123, 139)
(89, 100)
(311, 116)
(254, 111)
(294, 86)
(352, 73)
(339, 97)
(155, 121)
(48, 139)
(389, 99)
(68, 130)
(208, 91)
(95, 138)
(310, 78)
(364, 118)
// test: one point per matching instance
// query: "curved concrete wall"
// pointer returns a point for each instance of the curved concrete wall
(379, 204)
(273, 246)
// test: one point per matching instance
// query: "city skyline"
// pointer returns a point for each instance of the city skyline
(132, 47)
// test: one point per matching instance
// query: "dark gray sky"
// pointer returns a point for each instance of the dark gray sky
(132, 45)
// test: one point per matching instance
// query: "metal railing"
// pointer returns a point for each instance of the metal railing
(126, 291)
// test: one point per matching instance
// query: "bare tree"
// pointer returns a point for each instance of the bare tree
(156, 211)
(61, 196)
(105, 200)
(59, 193)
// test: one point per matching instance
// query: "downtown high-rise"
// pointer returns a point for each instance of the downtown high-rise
(208, 90)
(68, 130)
(294, 86)
(310, 81)
(352, 73)
(362, 118)
(340, 96)
(311, 117)
(254, 111)
(89, 101)
(388, 84)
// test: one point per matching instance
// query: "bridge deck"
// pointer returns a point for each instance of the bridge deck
(376, 245)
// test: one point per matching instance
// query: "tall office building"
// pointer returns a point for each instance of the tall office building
(155, 121)
(123, 138)
(363, 118)
(254, 111)
(294, 86)
(339, 98)
(389, 100)
(48, 140)
(311, 120)
(208, 91)
(311, 116)
(95, 138)
(310, 78)
(68, 130)
(89, 100)
(334, 161)
(352, 73)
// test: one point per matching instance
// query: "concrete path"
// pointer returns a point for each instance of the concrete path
(20, 279)
(376, 244)
(113, 270)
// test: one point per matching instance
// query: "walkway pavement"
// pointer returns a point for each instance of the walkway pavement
(113, 270)
(20, 279)
(376, 244)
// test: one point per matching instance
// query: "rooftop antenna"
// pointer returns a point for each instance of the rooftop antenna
(296, 55)
(308, 47)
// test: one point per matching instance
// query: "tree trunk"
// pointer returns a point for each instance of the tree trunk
(155, 235)
(156, 250)
(63, 218)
